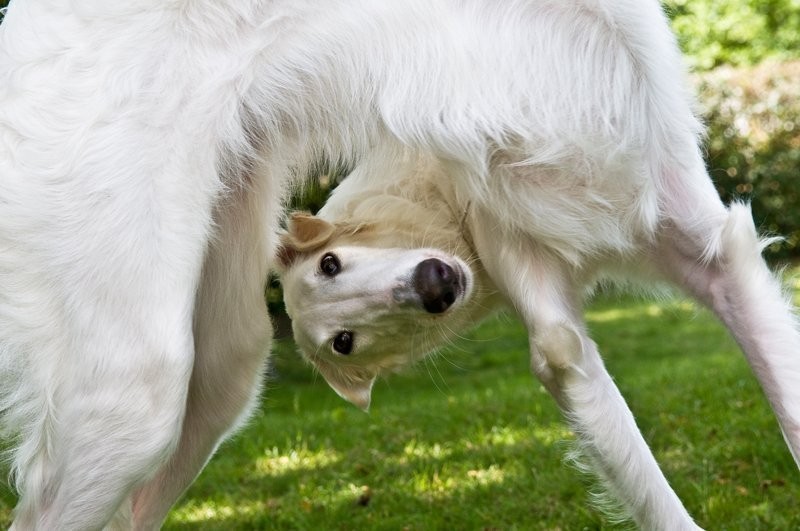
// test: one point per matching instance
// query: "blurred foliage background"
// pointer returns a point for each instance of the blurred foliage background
(746, 59)
(745, 55)
(735, 32)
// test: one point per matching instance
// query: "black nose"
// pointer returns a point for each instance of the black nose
(437, 285)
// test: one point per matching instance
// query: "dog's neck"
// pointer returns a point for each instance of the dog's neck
(407, 208)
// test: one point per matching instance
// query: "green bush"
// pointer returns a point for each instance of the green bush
(736, 32)
(753, 150)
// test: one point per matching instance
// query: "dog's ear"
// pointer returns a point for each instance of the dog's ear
(304, 233)
(354, 384)
(307, 231)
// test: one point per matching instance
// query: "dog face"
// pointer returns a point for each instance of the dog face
(360, 305)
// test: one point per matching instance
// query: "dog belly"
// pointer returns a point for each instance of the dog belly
(577, 212)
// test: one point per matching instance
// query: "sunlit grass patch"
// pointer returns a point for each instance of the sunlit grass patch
(486, 476)
(418, 450)
(632, 310)
(500, 436)
(276, 462)
(208, 511)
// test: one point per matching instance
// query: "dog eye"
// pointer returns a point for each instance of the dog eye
(343, 343)
(330, 264)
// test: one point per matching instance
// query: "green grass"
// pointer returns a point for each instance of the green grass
(470, 441)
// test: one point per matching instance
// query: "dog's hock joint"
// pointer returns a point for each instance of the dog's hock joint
(558, 346)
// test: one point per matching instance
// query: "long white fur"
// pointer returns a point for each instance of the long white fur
(145, 148)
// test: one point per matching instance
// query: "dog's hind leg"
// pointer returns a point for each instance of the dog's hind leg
(232, 333)
(567, 362)
(723, 268)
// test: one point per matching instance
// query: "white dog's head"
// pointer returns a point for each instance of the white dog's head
(363, 303)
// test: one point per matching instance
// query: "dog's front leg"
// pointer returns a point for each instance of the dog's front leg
(567, 362)
(232, 333)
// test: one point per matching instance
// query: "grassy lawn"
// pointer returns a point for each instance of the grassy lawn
(469, 440)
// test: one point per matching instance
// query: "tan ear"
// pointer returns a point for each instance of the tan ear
(355, 386)
(308, 232)
(305, 233)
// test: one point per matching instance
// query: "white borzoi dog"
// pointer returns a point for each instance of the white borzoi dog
(146, 147)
